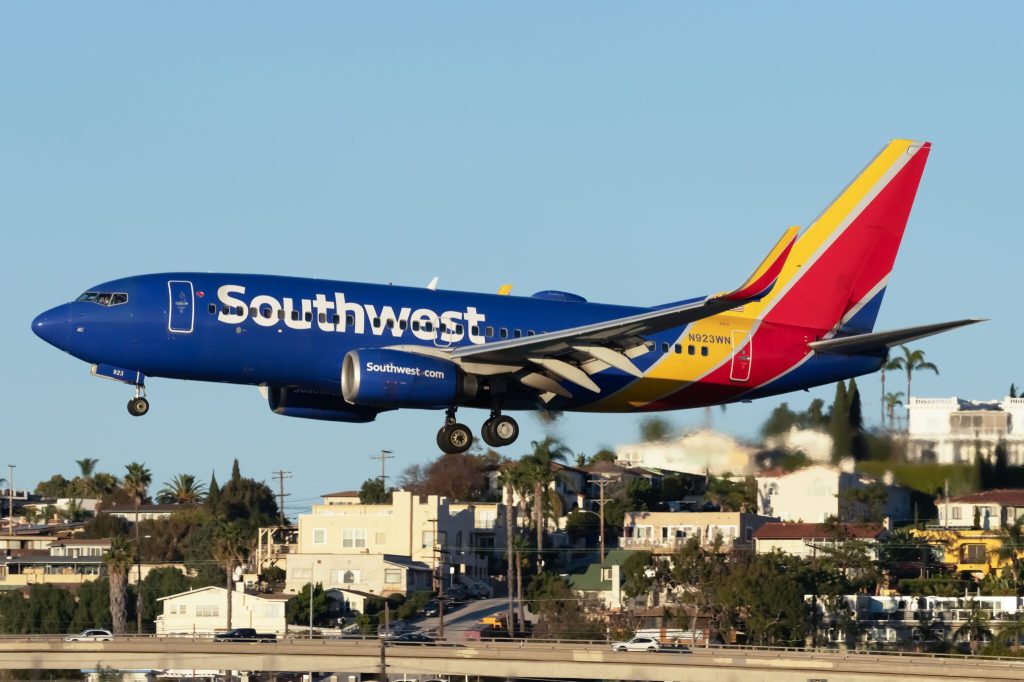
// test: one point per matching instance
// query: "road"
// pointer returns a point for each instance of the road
(512, 659)
(464, 617)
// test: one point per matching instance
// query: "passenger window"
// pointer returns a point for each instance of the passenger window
(350, 320)
(389, 324)
(458, 328)
(704, 351)
(213, 308)
(664, 346)
(474, 330)
(517, 333)
(309, 317)
(415, 325)
(267, 313)
(691, 350)
(376, 323)
(530, 332)
(488, 331)
(503, 333)
(224, 309)
(335, 318)
(678, 349)
(280, 314)
(402, 324)
(428, 326)
(253, 312)
(322, 317)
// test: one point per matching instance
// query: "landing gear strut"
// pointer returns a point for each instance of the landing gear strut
(499, 430)
(138, 406)
(453, 438)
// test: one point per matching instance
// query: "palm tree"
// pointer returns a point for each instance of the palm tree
(891, 400)
(913, 361)
(229, 550)
(118, 559)
(509, 480)
(136, 482)
(890, 365)
(182, 489)
(1011, 539)
(545, 453)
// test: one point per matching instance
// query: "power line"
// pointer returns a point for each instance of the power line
(383, 457)
(280, 476)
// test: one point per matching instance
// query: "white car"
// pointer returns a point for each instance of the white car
(637, 644)
(91, 636)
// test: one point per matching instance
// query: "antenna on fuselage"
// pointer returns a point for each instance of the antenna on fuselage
(433, 284)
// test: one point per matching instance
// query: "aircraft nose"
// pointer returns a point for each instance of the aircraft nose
(54, 326)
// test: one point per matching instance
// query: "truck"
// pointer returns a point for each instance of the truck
(244, 635)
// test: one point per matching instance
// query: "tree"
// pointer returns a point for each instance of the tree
(182, 489)
(858, 445)
(890, 365)
(913, 361)
(213, 491)
(158, 583)
(247, 502)
(229, 550)
(654, 428)
(539, 467)
(732, 496)
(137, 481)
(373, 492)
(839, 423)
(54, 487)
(460, 477)
(297, 608)
(779, 422)
(890, 401)
(509, 479)
(1011, 539)
(563, 615)
(118, 560)
(699, 570)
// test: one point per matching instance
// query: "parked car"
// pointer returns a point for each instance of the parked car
(92, 635)
(431, 608)
(457, 591)
(637, 644)
(411, 638)
(394, 628)
(244, 635)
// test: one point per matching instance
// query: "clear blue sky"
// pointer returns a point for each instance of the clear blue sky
(633, 153)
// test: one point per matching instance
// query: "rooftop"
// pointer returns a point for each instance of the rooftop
(1007, 497)
(808, 531)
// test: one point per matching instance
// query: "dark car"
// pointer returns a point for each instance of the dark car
(411, 638)
(431, 608)
(244, 635)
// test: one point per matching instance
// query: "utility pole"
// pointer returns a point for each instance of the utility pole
(384, 456)
(10, 498)
(138, 574)
(438, 571)
(601, 483)
(384, 643)
(280, 476)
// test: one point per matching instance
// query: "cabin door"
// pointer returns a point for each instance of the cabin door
(181, 313)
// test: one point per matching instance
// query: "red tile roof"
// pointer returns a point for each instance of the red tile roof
(1007, 497)
(801, 531)
(343, 493)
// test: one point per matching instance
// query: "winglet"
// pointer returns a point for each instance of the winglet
(505, 290)
(433, 284)
(764, 277)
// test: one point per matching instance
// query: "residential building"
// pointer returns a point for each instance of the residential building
(697, 452)
(64, 562)
(816, 493)
(144, 512)
(488, 537)
(986, 510)
(967, 550)
(602, 581)
(810, 539)
(950, 430)
(666, 532)
(894, 622)
(204, 612)
(385, 548)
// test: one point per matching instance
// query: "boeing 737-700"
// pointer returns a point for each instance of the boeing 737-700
(347, 351)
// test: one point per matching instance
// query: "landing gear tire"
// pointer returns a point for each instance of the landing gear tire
(454, 439)
(500, 431)
(138, 407)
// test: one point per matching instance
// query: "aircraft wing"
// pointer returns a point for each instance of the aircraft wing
(610, 343)
(883, 341)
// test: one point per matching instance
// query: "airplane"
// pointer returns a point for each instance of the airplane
(347, 351)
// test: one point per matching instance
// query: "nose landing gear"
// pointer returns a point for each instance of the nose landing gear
(138, 406)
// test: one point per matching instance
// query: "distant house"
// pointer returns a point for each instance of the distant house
(64, 562)
(144, 512)
(666, 532)
(603, 581)
(697, 452)
(812, 539)
(816, 493)
(204, 611)
(992, 509)
(950, 430)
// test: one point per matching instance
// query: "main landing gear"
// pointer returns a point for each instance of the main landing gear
(138, 406)
(498, 431)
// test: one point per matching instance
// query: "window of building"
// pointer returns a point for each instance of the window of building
(973, 554)
(426, 539)
(380, 538)
(319, 536)
(207, 610)
(393, 576)
(955, 513)
(346, 576)
(353, 537)
(298, 573)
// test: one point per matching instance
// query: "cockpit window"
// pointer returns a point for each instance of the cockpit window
(103, 298)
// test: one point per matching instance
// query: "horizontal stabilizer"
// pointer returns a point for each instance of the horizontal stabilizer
(880, 341)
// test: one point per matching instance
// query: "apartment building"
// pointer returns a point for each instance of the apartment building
(204, 612)
(950, 430)
(985, 510)
(816, 493)
(811, 539)
(666, 532)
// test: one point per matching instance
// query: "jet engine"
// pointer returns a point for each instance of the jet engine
(392, 378)
(306, 404)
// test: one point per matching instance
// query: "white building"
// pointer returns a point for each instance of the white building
(949, 430)
(695, 452)
(204, 611)
(666, 532)
(810, 539)
(993, 509)
(385, 548)
(815, 493)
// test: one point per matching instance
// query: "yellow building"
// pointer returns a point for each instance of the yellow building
(968, 550)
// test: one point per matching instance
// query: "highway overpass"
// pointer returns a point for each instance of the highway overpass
(557, 660)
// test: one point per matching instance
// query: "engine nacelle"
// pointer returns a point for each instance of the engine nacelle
(305, 404)
(392, 378)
